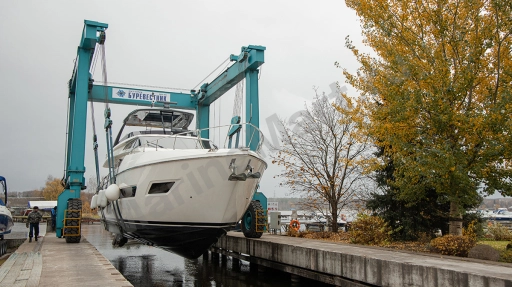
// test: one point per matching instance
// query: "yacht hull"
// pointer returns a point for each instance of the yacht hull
(202, 204)
(6, 222)
(501, 218)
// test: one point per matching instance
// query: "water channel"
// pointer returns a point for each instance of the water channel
(149, 266)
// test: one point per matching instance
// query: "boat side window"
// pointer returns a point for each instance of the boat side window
(185, 143)
(129, 135)
(128, 191)
(160, 187)
(175, 143)
(130, 144)
(192, 143)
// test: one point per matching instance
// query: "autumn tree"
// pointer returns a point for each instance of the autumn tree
(52, 188)
(324, 155)
(86, 195)
(86, 199)
(437, 89)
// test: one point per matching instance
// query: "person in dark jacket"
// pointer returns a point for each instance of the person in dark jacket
(54, 217)
(33, 220)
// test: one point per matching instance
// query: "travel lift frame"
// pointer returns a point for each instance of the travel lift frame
(82, 90)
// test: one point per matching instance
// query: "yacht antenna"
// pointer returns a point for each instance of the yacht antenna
(162, 118)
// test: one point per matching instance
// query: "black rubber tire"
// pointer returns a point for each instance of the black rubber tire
(73, 204)
(249, 220)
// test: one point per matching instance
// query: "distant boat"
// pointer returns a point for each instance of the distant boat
(6, 222)
(500, 215)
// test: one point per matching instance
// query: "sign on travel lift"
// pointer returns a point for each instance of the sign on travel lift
(139, 95)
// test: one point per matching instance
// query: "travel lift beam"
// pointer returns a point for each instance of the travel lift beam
(81, 91)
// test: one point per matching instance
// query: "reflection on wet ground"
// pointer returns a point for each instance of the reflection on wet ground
(20, 230)
(149, 266)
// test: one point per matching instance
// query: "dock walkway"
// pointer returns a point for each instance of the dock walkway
(52, 262)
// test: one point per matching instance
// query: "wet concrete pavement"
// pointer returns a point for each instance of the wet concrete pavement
(19, 230)
(51, 261)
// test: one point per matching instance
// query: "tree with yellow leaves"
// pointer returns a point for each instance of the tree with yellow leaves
(437, 90)
(324, 155)
(52, 188)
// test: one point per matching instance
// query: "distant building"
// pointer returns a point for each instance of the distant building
(18, 205)
(42, 204)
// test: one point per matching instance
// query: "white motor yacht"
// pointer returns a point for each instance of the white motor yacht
(6, 222)
(174, 189)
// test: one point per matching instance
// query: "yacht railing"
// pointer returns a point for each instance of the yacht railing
(178, 140)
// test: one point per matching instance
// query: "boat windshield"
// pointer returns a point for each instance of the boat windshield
(172, 142)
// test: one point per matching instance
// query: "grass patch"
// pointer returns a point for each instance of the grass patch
(498, 245)
(501, 246)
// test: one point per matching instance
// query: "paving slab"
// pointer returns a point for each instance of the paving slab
(51, 261)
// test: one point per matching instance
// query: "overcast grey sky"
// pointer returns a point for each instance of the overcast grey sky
(159, 43)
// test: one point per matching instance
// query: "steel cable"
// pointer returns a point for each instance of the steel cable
(202, 81)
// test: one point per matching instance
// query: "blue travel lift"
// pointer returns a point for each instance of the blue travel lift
(82, 89)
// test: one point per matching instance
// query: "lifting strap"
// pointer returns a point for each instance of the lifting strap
(235, 127)
(95, 135)
(108, 121)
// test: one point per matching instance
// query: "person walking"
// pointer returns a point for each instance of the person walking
(33, 220)
(54, 217)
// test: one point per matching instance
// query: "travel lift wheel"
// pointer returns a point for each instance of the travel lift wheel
(253, 220)
(73, 204)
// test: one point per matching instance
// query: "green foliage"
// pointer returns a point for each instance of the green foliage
(437, 91)
(409, 218)
(476, 222)
(499, 232)
(369, 230)
(506, 256)
(454, 245)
